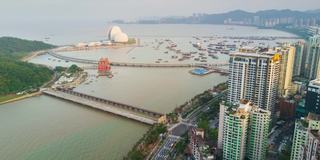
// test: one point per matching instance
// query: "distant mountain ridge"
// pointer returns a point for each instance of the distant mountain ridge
(314, 11)
(286, 16)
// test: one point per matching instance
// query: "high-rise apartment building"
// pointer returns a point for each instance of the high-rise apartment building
(298, 59)
(299, 139)
(222, 112)
(313, 97)
(312, 149)
(306, 138)
(313, 58)
(287, 53)
(235, 131)
(244, 131)
(258, 134)
(254, 76)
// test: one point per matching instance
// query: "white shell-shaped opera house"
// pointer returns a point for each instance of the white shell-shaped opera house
(121, 38)
(115, 34)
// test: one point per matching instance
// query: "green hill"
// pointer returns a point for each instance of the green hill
(15, 75)
(18, 48)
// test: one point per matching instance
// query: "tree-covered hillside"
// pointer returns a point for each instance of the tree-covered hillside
(15, 75)
(16, 47)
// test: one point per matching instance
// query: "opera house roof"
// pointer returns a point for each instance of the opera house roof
(115, 34)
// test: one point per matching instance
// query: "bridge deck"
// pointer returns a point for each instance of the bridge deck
(134, 113)
(127, 64)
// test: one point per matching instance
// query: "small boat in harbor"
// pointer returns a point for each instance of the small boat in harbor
(213, 57)
(225, 52)
(212, 52)
(173, 45)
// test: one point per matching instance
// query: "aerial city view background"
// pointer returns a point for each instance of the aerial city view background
(158, 80)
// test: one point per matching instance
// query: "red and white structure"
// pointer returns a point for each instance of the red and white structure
(104, 68)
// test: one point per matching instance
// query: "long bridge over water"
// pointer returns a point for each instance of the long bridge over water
(126, 64)
(117, 108)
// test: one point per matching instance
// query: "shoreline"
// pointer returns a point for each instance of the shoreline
(18, 98)
(299, 35)
(29, 95)
(32, 55)
(75, 47)
(136, 148)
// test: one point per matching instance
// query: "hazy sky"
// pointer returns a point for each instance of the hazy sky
(135, 9)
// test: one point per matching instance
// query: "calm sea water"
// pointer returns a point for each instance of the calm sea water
(47, 128)
(62, 33)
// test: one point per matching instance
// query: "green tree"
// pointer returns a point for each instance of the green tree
(16, 76)
(181, 146)
(135, 155)
(74, 68)
(153, 134)
(213, 134)
(204, 124)
(17, 48)
(60, 69)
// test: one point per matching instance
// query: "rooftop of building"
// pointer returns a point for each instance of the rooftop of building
(302, 102)
(245, 105)
(313, 116)
(243, 108)
(302, 124)
(315, 134)
(314, 83)
(199, 129)
(260, 53)
(196, 137)
(248, 49)
(287, 100)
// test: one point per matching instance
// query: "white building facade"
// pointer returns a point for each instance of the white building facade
(255, 77)
(245, 131)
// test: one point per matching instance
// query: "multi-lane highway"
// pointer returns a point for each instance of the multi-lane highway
(167, 148)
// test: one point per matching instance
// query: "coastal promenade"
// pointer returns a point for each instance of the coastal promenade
(126, 64)
(117, 108)
(21, 97)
